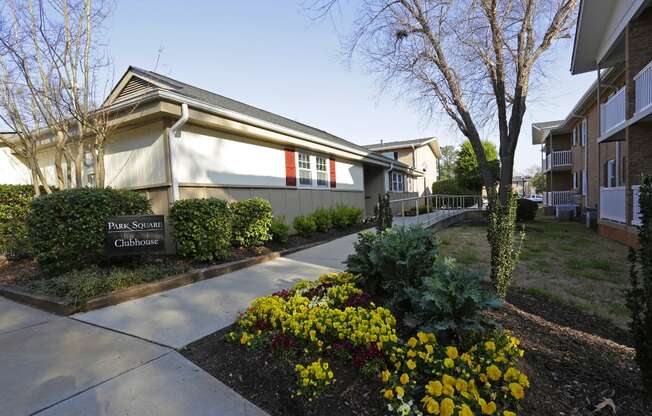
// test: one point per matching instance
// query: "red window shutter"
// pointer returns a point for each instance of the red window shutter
(290, 168)
(333, 176)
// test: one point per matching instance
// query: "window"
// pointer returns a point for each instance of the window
(305, 172)
(580, 178)
(574, 136)
(585, 183)
(584, 132)
(391, 155)
(574, 180)
(397, 184)
(322, 171)
(611, 173)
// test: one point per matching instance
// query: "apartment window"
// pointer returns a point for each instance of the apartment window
(398, 182)
(574, 180)
(322, 171)
(585, 183)
(584, 130)
(580, 180)
(574, 136)
(305, 172)
(611, 173)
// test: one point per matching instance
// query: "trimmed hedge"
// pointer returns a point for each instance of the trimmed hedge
(323, 219)
(304, 225)
(252, 219)
(279, 230)
(67, 229)
(202, 228)
(344, 216)
(526, 210)
(14, 207)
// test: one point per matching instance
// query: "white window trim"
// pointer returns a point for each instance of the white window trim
(611, 173)
(312, 157)
(584, 134)
(402, 182)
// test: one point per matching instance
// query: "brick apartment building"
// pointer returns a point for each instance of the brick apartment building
(594, 158)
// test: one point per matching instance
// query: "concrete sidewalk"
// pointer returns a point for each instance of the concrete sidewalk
(58, 366)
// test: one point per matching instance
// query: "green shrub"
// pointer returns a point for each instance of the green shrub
(14, 206)
(639, 296)
(344, 216)
(393, 260)
(450, 300)
(526, 210)
(322, 219)
(501, 228)
(304, 226)
(279, 230)
(252, 219)
(67, 229)
(202, 228)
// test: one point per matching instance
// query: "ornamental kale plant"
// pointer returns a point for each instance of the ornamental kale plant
(639, 297)
(450, 301)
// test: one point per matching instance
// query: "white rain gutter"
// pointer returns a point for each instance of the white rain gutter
(175, 131)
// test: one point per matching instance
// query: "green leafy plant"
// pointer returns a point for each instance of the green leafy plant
(639, 296)
(526, 210)
(67, 229)
(304, 225)
(14, 206)
(501, 227)
(450, 300)
(467, 168)
(393, 260)
(322, 219)
(252, 219)
(383, 213)
(452, 187)
(202, 228)
(279, 230)
(344, 216)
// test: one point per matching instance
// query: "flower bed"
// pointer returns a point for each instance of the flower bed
(331, 321)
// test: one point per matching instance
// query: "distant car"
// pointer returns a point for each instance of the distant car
(535, 198)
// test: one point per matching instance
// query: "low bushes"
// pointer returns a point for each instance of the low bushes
(304, 225)
(324, 219)
(66, 229)
(202, 228)
(279, 230)
(526, 210)
(333, 319)
(252, 219)
(14, 206)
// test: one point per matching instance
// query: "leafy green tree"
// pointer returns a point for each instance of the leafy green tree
(447, 162)
(539, 182)
(467, 169)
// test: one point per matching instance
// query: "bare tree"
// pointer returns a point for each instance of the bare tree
(473, 59)
(50, 47)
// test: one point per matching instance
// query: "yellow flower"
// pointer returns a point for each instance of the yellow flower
(434, 388)
(448, 363)
(448, 390)
(451, 352)
(511, 374)
(517, 390)
(423, 337)
(493, 372)
(508, 413)
(488, 408)
(429, 349)
(399, 392)
(448, 380)
(523, 380)
(411, 364)
(411, 354)
(389, 394)
(404, 378)
(460, 385)
(412, 342)
(446, 407)
(465, 411)
(490, 346)
(432, 407)
(385, 376)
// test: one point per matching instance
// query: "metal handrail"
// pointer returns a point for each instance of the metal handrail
(438, 202)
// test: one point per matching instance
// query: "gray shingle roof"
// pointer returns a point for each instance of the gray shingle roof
(399, 143)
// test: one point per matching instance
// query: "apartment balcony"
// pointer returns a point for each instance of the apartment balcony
(558, 160)
(556, 198)
(613, 204)
(643, 89)
(612, 114)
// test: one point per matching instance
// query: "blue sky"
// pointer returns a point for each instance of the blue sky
(270, 54)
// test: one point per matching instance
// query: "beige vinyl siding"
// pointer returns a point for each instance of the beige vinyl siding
(12, 170)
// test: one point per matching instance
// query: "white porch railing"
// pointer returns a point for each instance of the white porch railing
(643, 82)
(612, 204)
(555, 198)
(558, 158)
(636, 207)
(612, 113)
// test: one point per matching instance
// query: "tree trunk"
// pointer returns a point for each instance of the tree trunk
(100, 170)
(79, 164)
(58, 157)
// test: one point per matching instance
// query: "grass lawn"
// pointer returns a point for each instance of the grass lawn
(563, 262)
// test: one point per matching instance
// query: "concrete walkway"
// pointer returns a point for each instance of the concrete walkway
(52, 365)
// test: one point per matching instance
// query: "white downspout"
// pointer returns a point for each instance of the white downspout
(175, 131)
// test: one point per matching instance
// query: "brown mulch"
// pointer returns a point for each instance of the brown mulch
(12, 270)
(571, 371)
(565, 315)
(267, 380)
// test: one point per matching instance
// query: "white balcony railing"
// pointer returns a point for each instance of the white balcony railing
(612, 113)
(558, 158)
(643, 81)
(636, 208)
(554, 198)
(612, 204)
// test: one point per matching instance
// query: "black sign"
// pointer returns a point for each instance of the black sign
(135, 234)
